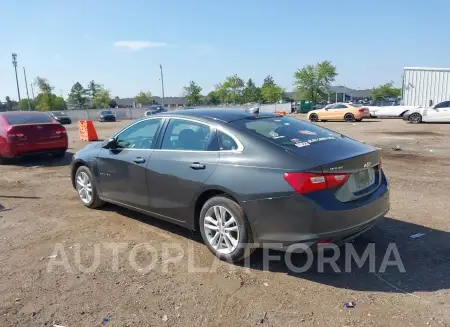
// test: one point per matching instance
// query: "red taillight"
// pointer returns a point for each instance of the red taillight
(61, 130)
(362, 110)
(311, 182)
(14, 133)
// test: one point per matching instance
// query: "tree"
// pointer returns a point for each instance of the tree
(102, 99)
(271, 93)
(385, 91)
(230, 90)
(23, 104)
(45, 96)
(93, 89)
(58, 103)
(212, 98)
(144, 98)
(10, 104)
(268, 81)
(192, 93)
(78, 95)
(313, 81)
(251, 93)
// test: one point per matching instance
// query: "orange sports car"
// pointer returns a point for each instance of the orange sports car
(339, 111)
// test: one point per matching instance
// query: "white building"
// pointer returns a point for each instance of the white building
(425, 86)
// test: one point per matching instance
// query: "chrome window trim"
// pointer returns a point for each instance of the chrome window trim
(218, 128)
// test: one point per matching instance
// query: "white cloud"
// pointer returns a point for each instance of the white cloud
(139, 45)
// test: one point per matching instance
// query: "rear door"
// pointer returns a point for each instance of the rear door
(122, 171)
(177, 170)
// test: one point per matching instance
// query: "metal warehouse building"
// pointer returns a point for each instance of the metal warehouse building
(425, 86)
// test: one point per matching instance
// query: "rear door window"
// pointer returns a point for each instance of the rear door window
(27, 118)
(187, 135)
(287, 131)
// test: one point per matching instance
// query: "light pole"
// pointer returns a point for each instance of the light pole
(14, 62)
(162, 84)
(26, 86)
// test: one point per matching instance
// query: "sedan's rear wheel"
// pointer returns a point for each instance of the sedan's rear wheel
(86, 188)
(415, 118)
(313, 118)
(225, 229)
(349, 117)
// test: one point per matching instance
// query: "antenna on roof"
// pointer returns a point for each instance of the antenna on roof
(253, 110)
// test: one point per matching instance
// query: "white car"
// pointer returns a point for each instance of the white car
(389, 111)
(437, 113)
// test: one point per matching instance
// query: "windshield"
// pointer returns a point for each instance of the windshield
(287, 131)
(29, 118)
(107, 113)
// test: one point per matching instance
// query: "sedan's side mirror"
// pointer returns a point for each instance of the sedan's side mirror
(110, 144)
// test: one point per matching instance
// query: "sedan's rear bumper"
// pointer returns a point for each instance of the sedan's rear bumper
(290, 220)
(15, 150)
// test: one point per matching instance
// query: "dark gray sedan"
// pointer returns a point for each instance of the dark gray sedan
(239, 178)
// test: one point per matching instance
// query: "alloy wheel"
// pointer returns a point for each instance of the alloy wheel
(415, 118)
(349, 117)
(314, 118)
(221, 229)
(84, 187)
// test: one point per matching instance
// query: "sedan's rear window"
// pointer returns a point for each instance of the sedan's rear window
(287, 131)
(27, 118)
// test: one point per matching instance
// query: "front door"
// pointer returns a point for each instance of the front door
(122, 171)
(180, 167)
(440, 113)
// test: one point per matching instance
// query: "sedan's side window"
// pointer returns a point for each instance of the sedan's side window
(187, 135)
(444, 104)
(226, 142)
(139, 136)
(340, 106)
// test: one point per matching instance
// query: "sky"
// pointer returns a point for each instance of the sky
(121, 44)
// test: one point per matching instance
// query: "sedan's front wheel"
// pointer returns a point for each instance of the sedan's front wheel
(415, 118)
(86, 188)
(225, 229)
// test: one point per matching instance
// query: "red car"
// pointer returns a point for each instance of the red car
(24, 133)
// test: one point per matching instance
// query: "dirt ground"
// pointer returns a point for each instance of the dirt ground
(42, 212)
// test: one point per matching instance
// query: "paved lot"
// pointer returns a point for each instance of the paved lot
(42, 210)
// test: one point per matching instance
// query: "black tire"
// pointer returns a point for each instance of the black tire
(314, 118)
(415, 118)
(244, 246)
(95, 200)
(349, 117)
(59, 154)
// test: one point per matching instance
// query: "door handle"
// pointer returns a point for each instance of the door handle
(197, 166)
(139, 160)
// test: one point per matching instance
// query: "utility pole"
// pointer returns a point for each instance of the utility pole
(26, 86)
(162, 84)
(14, 62)
(32, 90)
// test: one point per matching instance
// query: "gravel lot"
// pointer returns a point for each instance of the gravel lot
(43, 211)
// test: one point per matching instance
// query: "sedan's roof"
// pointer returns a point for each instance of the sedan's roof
(225, 115)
